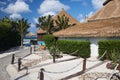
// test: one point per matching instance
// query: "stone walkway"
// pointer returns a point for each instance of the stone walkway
(6, 59)
(66, 68)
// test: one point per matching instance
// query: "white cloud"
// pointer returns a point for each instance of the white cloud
(49, 13)
(35, 20)
(15, 15)
(82, 17)
(90, 14)
(97, 4)
(32, 25)
(51, 6)
(15, 9)
(18, 7)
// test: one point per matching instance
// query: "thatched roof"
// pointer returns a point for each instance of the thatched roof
(110, 9)
(40, 31)
(30, 34)
(97, 28)
(71, 19)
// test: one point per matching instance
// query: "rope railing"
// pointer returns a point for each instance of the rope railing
(99, 57)
(65, 70)
(75, 52)
(111, 74)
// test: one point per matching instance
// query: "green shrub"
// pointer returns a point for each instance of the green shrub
(112, 47)
(49, 40)
(70, 46)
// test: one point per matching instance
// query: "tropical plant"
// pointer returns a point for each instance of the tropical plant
(45, 23)
(22, 25)
(8, 37)
(49, 40)
(62, 22)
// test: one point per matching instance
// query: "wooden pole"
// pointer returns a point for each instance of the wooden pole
(34, 48)
(19, 64)
(53, 57)
(13, 58)
(41, 74)
(30, 49)
(84, 65)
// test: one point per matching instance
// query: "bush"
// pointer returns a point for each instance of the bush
(70, 46)
(49, 40)
(112, 47)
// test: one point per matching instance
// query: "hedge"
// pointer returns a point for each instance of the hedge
(49, 40)
(70, 46)
(112, 47)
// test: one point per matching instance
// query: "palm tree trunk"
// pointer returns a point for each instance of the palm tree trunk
(21, 40)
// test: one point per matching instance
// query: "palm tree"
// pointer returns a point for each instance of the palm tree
(62, 22)
(45, 23)
(22, 26)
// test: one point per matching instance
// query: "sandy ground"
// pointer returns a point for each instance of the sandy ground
(66, 70)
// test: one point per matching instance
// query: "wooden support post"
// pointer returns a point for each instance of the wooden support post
(30, 49)
(106, 55)
(41, 74)
(34, 48)
(53, 57)
(19, 64)
(13, 58)
(26, 69)
(84, 65)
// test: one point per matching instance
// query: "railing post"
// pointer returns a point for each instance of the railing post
(19, 64)
(30, 49)
(53, 57)
(41, 74)
(84, 65)
(106, 55)
(34, 48)
(13, 58)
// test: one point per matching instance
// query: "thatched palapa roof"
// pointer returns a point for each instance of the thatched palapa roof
(30, 34)
(71, 19)
(98, 28)
(104, 23)
(40, 31)
(110, 9)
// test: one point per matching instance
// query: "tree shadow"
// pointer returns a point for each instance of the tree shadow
(81, 72)
(18, 78)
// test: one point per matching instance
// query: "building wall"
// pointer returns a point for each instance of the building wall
(94, 43)
(40, 36)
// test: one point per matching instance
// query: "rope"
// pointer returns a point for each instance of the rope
(99, 57)
(113, 72)
(63, 71)
(109, 78)
(48, 76)
(75, 52)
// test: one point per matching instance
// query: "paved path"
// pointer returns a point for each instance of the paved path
(4, 61)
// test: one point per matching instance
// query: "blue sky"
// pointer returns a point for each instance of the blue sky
(33, 9)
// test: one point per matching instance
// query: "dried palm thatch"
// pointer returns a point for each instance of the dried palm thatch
(104, 23)
(40, 31)
(71, 19)
(110, 9)
(30, 34)
(97, 28)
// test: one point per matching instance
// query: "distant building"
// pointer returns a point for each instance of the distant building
(40, 34)
(29, 39)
